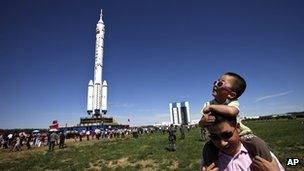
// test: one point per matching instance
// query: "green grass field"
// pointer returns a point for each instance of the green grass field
(285, 137)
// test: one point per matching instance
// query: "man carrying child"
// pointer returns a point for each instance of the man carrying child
(226, 92)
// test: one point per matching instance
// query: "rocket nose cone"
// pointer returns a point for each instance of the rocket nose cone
(90, 82)
(104, 83)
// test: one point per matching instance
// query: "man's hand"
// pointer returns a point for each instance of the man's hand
(258, 163)
(211, 167)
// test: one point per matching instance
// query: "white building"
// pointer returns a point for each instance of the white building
(179, 113)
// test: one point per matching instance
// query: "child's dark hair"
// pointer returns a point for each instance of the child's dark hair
(240, 83)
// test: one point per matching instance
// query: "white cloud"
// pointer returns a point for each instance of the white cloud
(144, 110)
(273, 95)
(137, 120)
(122, 105)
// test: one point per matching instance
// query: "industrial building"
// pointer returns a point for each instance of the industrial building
(180, 113)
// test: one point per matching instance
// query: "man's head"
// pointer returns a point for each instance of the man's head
(224, 133)
(229, 86)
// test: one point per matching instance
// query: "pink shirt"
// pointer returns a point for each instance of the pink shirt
(239, 162)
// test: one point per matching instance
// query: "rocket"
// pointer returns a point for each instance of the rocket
(98, 90)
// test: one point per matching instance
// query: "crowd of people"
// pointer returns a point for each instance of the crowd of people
(17, 141)
(23, 140)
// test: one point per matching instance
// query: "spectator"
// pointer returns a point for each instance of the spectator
(28, 141)
(61, 141)
(53, 139)
(235, 154)
(17, 144)
(88, 135)
(182, 131)
(172, 138)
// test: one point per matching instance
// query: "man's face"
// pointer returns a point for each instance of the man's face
(225, 137)
(223, 87)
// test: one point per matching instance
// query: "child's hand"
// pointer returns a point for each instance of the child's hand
(206, 120)
(206, 110)
(209, 118)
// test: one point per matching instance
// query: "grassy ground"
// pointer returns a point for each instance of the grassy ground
(285, 137)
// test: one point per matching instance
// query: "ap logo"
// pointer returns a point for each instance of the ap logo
(292, 161)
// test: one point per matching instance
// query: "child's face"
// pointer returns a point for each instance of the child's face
(223, 88)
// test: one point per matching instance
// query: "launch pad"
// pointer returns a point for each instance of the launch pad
(96, 121)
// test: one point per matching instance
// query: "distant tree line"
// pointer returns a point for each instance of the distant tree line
(290, 115)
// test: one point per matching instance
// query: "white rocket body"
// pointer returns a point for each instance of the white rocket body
(96, 95)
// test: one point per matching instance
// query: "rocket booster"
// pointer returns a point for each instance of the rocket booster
(90, 97)
(104, 99)
(97, 95)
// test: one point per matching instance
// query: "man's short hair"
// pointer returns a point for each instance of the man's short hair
(220, 118)
(240, 83)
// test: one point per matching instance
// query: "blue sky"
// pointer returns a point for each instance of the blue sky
(156, 52)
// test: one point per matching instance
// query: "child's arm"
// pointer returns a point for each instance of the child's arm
(206, 118)
(230, 111)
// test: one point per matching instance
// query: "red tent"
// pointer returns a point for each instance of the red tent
(54, 125)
